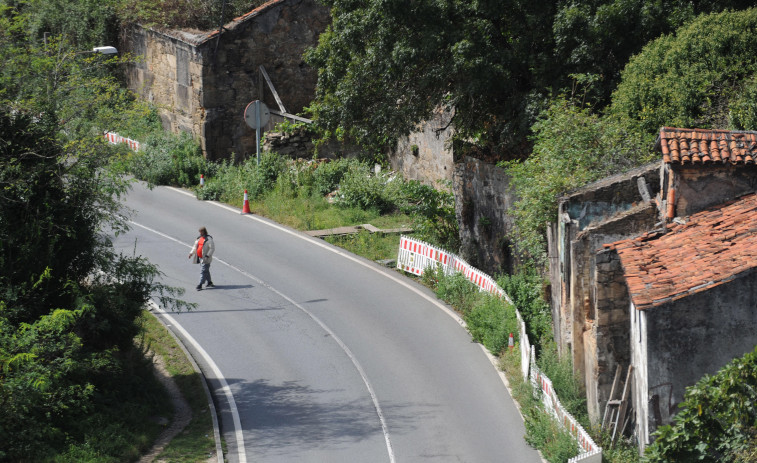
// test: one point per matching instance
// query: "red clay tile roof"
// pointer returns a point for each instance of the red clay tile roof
(683, 146)
(713, 247)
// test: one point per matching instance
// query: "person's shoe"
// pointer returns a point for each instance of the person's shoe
(199, 288)
(210, 284)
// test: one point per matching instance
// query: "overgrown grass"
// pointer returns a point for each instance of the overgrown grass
(196, 442)
(373, 246)
(542, 432)
(125, 421)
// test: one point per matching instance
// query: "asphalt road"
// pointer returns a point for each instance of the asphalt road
(316, 355)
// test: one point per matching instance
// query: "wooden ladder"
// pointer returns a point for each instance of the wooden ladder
(617, 407)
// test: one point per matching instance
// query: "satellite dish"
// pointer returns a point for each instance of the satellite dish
(257, 114)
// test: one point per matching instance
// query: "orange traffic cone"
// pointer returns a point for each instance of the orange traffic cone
(202, 180)
(246, 205)
(510, 342)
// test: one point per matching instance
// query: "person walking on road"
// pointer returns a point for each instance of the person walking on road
(202, 251)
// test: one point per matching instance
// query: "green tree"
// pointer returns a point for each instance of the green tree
(383, 66)
(598, 37)
(68, 303)
(572, 147)
(691, 78)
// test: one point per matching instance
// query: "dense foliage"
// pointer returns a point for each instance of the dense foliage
(693, 78)
(193, 14)
(73, 384)
(572, 147)
(385, 65)
(89, 23)
(717, 420)
(68, 304)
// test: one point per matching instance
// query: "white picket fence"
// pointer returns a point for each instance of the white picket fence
(416, 256)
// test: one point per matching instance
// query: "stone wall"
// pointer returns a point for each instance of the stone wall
(203, 81)
(425, 155)
(167, 73)
(276, 38)
(482, 199)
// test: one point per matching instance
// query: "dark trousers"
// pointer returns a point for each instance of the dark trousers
(204, 273)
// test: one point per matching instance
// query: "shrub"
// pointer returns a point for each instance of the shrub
(690, 78)
(433, 212)
(567, 385)
(169, 159)
(491, 321)
(525, 288)
(457, 291)
(572, 147)
(328, 175)
(543, 433)
(360, 188)
(717, 417)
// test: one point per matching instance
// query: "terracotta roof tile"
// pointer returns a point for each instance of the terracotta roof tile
(700, 146)
(712, 247)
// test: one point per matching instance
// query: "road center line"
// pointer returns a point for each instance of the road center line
(224, 384)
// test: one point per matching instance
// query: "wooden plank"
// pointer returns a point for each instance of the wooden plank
(355, 229)
(333, 231)
(612, 396)
(370, 228)
(623, 403)
(273, 89)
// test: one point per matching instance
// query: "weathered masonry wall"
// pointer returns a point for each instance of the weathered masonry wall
(587, 326)
(482, 199)
(599, 304)
(168, 73)
(697, 187)
(708, 331)
(203, 81)
(425, 155)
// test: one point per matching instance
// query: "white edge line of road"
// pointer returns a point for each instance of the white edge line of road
(222, 379)
(156, 312)
(224, 384)
(239, 436)
(401, 281)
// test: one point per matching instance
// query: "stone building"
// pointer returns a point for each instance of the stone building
(661, 232)
(590, 318)
(202, 81)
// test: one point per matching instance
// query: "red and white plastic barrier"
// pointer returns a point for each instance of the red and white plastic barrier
(115, 139)
(416, 256)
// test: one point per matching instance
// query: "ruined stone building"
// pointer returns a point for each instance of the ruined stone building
(652, 268)
(202, 81)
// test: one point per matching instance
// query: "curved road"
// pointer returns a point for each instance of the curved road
(316, 355)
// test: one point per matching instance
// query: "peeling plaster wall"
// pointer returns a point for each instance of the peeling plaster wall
(707, 330)
(590, 328)
(698, 187)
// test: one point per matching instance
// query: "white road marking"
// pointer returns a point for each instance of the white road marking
(241, 453)
(335, 250)
(224, 384)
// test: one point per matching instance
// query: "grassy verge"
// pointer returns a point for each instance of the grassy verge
(196, 442)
